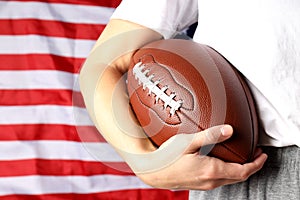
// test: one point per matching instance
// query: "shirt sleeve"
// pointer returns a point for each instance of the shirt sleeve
(167, 17)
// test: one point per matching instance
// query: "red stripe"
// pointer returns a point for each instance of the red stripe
(51, 28)
(50, 132)
(149, 194)
(105, 3)
(40, 62)
(41, 97)
(61, 168)
(57, 132)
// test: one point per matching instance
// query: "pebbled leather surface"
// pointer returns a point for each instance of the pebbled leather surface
(211, 89)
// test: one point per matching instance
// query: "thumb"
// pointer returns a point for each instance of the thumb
(213, 135)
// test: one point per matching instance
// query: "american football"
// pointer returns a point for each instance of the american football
(180, 87)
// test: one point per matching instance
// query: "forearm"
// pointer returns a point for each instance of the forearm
(103, 87)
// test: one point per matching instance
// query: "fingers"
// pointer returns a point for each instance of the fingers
(256, 165)
(174, 148)
(190, 171)
(211, 135)
(232, 173)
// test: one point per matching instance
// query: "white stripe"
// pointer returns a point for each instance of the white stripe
(25, 44)
(38, 79)
(53, 11)
(59, 150)
(44, 114)
(68, 184)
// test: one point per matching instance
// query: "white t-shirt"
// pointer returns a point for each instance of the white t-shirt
(260, 38)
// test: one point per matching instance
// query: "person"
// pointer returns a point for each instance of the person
(261, 40)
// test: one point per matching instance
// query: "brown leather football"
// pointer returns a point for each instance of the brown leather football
(179, 86)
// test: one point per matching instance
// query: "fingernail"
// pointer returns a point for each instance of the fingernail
(226, 130)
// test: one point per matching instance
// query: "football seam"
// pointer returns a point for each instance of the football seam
(252, 113)
(252, 138)
(234, 152)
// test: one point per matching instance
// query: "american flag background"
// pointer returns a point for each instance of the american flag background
(43, 44)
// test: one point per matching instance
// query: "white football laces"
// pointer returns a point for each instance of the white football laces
(146, 80)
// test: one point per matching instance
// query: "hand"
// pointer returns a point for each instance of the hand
(199, 172)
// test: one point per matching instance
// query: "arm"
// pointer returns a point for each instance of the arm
(100, 75)
(177, 163)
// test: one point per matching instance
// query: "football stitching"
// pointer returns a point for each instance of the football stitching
(160, 93)
(185, 107)
(155, 113)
